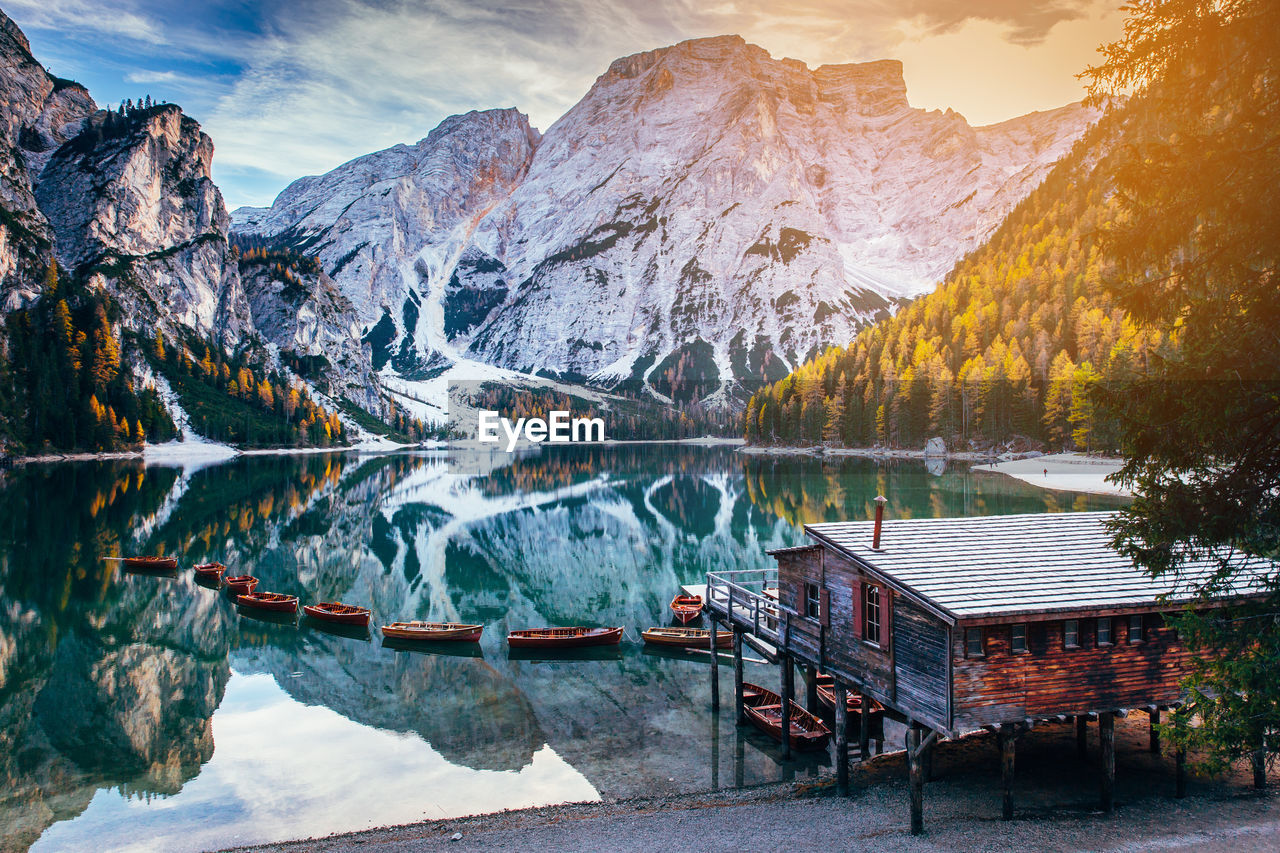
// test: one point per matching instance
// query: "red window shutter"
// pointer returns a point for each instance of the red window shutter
(824, 608)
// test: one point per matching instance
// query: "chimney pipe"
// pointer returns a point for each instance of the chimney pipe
(881, 500)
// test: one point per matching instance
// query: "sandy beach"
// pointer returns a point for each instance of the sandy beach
(1072, 472)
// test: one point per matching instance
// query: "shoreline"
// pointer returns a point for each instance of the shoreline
(180, 452)
(818, 450)
(962, 806)
(1066, 472)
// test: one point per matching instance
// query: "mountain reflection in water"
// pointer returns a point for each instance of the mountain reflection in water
(134, 708)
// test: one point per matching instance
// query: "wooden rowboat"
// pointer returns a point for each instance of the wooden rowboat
(433, 632)
(241, 584)
(688, 638)
(764, 710)
(853, 701)
(151, 564)
(336, 611)
(564, 638)
(209, 571)
(687, 607)
(276, 602)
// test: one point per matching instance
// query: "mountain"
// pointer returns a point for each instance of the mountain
(1004, 350)
(705, 209)
(114, 238)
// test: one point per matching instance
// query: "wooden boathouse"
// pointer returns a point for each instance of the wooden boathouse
(960, 624)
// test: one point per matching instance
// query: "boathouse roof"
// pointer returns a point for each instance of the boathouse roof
(1015, 564)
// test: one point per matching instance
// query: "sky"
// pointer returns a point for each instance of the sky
(288, 88)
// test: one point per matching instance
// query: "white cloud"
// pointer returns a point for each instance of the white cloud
(357, 76)
(154, 77)
(86, 16)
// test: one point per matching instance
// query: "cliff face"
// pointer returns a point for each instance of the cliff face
(132, 205)
(703, 203)
(124, 200)
(38, 112)
(306, 316)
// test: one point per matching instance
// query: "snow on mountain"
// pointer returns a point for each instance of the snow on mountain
(705, 209)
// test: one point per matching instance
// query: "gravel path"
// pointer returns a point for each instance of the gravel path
(1056, 792)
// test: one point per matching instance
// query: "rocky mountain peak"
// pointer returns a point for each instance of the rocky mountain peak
(705, 210)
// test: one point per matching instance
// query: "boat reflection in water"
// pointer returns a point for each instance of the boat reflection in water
(138, 708)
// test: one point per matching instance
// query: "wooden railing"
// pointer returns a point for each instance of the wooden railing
(748, 598)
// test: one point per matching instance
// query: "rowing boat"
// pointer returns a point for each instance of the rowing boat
(336, 611)
(209, 571)
(276, 602)
(853, 700)
(764, 709)
(433, 631)
(688, 638)
(151, 564)
(564, 638)
(687, 607)
(241, 584)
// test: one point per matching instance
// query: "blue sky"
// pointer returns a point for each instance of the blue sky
(294, 87)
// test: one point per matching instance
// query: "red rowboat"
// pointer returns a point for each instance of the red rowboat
(687, 607)
(210, 571)
(853, 700)
(687, 638)
(433, 631)
(274, 601)
(764, 710)
(151, 564)
(564, 638)
(241, 584)
(336, 611)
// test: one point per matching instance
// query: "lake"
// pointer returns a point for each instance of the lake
(146, 712)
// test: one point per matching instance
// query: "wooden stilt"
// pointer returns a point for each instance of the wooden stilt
(1082, 735)
(715, 745)
(787, 692)
(739, 760)
(1008, 741)
(1179, 757)
(715, 669)
(842, 741)
(739, 714)
(811, 688)
(915, 776)
(1154, 745)
(864, 735)
(1107, 739)
(1260, 768)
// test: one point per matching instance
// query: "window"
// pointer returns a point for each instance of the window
(1135, 628)
(1071, 634)
(973, 646)
(1104, 632)
(812, 601)
(871, 613)
(1018, 639)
